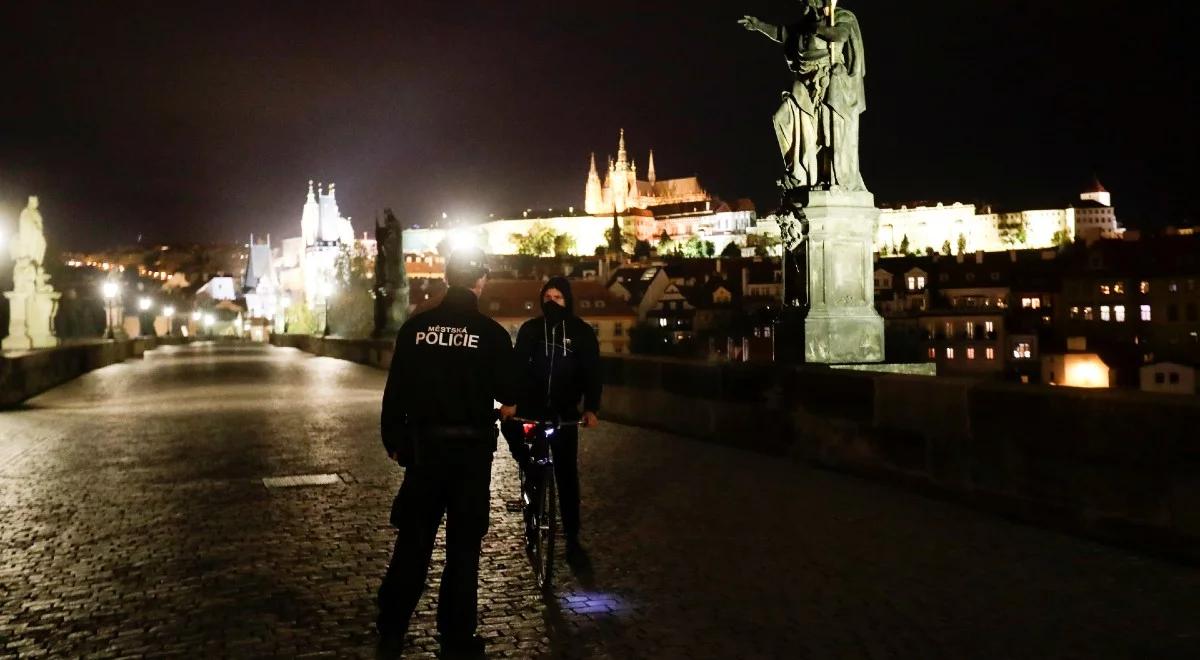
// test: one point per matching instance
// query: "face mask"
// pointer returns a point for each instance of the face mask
(553, 311)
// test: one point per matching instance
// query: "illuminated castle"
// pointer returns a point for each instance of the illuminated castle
(621, 189)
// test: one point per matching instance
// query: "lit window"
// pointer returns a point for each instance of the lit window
(1105, 290)
(1119, 313)
(932, 353)
(1105, 313)
(1172, 287)
(970, 353)
(1022, 351)
(662, 323)
(991, 353)
(1088, 315)
(921, 282)
(970, 328)
(989, 327)
(585, 304)
(949, 328)
(1118, 288)
(1074, 312)
(949, 353)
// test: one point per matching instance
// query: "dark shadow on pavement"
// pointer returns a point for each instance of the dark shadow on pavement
(581, 565)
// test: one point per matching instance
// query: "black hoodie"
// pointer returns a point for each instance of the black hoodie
(558, 361)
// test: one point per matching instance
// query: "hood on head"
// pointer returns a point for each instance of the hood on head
(564, 287)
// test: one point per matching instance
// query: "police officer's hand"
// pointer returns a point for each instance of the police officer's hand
(507, 411)
(589, 420)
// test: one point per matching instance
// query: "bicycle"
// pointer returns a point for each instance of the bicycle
(539, 496)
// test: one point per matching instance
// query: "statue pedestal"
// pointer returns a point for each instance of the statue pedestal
(842, 325)
(30, 319)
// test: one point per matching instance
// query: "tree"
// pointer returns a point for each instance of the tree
(946, 249)
(763, 244)
(1061, 238)
(641, 249)
(564, 244)
(731, 251)
(962, 244)
(539, 241)
(904, 245)
(628, 238)
(351, 309)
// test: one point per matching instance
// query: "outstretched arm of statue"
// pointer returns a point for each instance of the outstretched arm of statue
(836, 34)
(773, 32)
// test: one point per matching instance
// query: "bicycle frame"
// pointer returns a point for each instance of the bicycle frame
(539, 497)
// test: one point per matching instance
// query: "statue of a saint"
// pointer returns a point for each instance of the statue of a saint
(30, 243)
(817, 123)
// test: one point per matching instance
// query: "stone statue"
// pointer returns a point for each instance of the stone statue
(32, 302)
(28, 251)
(817, 122)
(391, 280)
(827, 217)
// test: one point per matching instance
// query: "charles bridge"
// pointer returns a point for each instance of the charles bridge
(729, 511)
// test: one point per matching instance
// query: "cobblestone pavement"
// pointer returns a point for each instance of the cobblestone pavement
(134, 521)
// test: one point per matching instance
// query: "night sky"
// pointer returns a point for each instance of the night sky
(203, 121)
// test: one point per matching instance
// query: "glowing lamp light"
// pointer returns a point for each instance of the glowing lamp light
(110, 289)
(461, 239)
(209, 320)
(196, 315)
(1086, 370)
(144, 304)
(168, 311)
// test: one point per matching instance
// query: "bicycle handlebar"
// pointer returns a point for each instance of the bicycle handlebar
(546, 422)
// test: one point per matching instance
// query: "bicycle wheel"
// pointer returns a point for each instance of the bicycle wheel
(547, 530)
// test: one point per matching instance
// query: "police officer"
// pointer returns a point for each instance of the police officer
(438, 422)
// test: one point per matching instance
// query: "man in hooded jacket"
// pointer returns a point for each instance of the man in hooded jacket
(558, 365)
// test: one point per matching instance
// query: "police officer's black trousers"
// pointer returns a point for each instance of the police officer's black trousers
(460, 489)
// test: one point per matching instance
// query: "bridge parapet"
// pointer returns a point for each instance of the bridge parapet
(1119, 466)
(26, 374)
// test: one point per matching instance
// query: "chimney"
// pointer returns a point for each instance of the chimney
(1012, 255)
(959, 257)
(979, 256)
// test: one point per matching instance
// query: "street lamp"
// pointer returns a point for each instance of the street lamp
(110, 289)
(169, 312)
(144, 304)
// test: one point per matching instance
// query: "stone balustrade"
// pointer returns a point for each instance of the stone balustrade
(1119, 466)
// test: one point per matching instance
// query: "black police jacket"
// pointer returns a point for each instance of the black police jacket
(449, 366)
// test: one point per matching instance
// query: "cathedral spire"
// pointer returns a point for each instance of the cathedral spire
(310, 191)
(592, 172)
(650, 168)
(622, 157)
